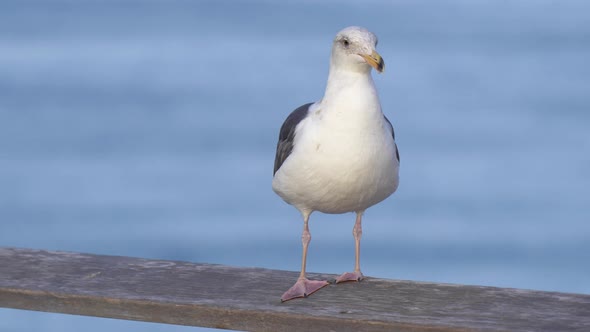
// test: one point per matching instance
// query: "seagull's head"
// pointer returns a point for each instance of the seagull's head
(354, 49)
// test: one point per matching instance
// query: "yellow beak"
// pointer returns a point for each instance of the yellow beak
(375, 61)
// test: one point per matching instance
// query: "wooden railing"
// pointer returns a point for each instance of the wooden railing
(249, 298)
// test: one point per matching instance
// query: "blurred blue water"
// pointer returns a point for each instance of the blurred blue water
(148, 128)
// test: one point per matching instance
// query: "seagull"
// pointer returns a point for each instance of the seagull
(338, 155)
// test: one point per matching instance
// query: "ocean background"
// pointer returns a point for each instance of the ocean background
(148, 129)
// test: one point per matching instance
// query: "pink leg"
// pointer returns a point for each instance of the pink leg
(357, 231)
(303, 287)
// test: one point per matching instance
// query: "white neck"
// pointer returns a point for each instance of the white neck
(351, 90)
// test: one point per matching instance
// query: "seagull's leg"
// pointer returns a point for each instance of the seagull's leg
(304, 287)
(357, 231)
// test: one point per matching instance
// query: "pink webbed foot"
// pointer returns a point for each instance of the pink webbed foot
(350, 276)
(303, 288)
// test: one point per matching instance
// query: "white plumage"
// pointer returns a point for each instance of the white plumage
(343, 157)
(339, 154)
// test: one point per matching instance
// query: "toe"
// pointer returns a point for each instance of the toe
(350, 276)
(303, 288)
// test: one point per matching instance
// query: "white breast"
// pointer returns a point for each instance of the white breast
(343, 158)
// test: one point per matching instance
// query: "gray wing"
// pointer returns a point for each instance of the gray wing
(392, 134)
(287, 135)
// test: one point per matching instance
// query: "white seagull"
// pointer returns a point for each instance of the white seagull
(338, 154)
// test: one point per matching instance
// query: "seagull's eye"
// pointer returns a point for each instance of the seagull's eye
(345, 42)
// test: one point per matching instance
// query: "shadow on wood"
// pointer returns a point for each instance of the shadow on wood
(249, 298)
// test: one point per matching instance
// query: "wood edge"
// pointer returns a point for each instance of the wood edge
(211, 316)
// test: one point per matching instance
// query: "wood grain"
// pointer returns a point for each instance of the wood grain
(249, 298)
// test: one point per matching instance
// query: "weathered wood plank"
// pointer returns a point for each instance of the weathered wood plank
(248, 298)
